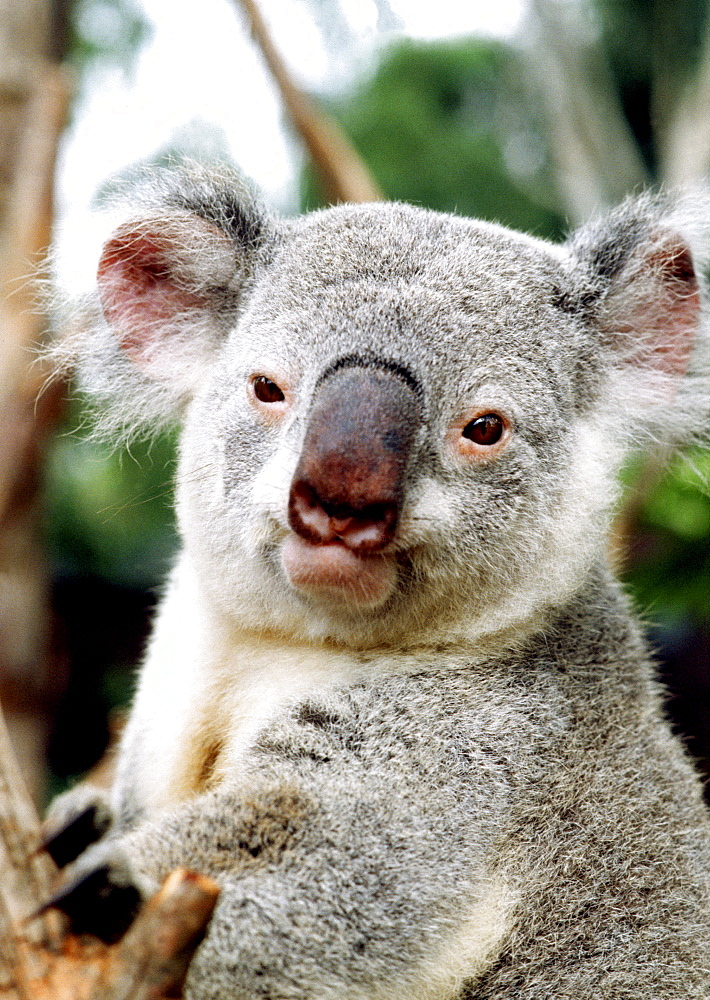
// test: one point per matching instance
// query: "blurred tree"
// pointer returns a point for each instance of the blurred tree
(104, 32)
(626, 84)
(34, 99)
(659, 59)
(36, 38)
(653, 52)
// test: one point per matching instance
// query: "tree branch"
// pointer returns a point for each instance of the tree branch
(40, 961)
(342, 172)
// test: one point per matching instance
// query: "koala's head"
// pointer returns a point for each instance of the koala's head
(397, 424)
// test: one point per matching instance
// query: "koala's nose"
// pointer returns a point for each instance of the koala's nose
(348, 485)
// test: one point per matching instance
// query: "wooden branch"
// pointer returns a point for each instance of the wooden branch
(153, 958)
(341, 171)
(39, 960)
(25, 881)
(150, 963)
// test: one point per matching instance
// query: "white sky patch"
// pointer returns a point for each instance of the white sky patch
(444, 18)
(201, 64)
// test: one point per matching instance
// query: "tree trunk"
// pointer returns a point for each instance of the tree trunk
(34, 98)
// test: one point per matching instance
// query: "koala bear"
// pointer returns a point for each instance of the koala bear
(395, 701)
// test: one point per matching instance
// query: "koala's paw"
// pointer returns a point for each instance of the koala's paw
(76, 820)
(103, 893)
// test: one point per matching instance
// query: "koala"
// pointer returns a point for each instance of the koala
(395, 701)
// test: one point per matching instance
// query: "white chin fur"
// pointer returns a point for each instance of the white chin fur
(335, 573)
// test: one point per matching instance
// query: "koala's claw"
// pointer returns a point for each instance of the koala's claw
(66, 843)
(103, 903)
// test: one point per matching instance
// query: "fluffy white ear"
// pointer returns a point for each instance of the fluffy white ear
(164, 285)
(644, 295)
(651, 313)
(170, 284)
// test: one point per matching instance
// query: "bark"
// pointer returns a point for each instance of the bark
(40, 960)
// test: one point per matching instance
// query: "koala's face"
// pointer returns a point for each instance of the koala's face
(396, 436)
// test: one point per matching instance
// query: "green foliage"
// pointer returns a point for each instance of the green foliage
(669, 562)
(449, 126)
(110, 513)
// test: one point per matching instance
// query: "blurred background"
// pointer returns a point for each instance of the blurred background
(535, 114)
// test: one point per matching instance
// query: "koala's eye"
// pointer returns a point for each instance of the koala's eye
(485, 430)
(267, 391)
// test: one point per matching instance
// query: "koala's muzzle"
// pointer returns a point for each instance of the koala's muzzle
(349, 483)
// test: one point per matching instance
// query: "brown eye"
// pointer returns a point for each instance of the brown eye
(267, 391)
(485, 430)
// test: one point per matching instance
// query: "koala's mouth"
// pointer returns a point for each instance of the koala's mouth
(332, 571)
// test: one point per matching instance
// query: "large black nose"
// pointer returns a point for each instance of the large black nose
(349, 481)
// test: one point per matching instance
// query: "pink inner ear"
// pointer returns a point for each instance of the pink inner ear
(141, 294)
(681, 300)
(657, 308)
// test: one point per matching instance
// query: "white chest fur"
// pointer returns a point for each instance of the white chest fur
(206, 692)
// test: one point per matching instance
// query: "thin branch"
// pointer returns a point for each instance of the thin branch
(342, 172)
(25, 880)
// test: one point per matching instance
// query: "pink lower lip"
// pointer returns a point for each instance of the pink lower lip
(333, 570)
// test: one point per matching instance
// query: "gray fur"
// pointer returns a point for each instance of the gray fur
(468, 789)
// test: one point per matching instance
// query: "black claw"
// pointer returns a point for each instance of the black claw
(98, 903)
(66, 844)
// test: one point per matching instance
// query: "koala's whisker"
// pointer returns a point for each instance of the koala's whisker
(195, 475)
(116, 510)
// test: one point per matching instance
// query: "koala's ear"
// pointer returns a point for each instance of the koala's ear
(644, 297)
(171, 281)
(167, 283)
(651, 312)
